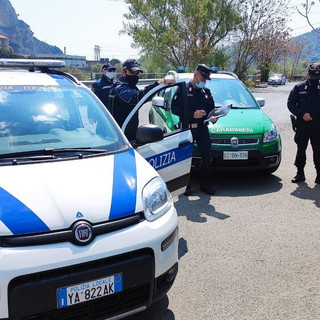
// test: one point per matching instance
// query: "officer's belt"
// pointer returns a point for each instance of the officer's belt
(197, 125)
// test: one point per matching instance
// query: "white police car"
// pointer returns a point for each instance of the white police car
(88, 229)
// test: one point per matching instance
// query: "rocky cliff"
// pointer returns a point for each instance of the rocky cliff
(20, 36)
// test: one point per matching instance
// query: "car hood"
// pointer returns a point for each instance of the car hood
(43, 197)
(242, 121)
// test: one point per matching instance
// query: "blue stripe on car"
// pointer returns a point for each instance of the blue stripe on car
(124, 191)
(17, 217)
(170, 157)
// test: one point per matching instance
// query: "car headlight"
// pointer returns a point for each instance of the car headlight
(271, 135)
(157, 200)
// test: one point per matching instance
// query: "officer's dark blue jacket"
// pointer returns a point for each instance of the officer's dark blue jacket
(304, 98)
(102, 88)
(122, 99)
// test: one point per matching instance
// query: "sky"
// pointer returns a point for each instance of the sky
(79, 25)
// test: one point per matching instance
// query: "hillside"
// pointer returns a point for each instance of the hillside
(21, 38)
(311, 50)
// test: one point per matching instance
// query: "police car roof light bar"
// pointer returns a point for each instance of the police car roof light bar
(27, 63)
(44, 66)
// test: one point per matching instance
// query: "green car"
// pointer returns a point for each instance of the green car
(244, 139)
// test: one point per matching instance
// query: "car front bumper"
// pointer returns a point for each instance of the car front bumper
(256, 161)
(146, 254)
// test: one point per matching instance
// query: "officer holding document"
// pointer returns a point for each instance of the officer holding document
(200, 103)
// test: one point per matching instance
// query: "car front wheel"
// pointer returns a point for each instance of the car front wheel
(270, 170)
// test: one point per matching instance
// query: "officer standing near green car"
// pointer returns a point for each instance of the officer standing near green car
(304, 104)
(200, 104)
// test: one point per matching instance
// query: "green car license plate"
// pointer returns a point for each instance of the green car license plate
(90, 290)
(235, 155)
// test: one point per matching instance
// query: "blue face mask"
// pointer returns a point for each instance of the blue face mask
(200, 85)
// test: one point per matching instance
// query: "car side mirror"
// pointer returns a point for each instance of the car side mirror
(158, 102)
(148, 133)
(261, 101)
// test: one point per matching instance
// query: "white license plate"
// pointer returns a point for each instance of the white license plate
(235, 155)
(87, 291)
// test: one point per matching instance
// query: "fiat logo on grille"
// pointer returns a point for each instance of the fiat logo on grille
(234, 142)
(82, 232)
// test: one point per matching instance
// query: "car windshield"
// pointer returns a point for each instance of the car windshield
(231, 91)
(40, 118)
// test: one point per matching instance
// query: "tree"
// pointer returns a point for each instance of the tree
(295, 50)
(305, 11)
(271, 46)
(115, 61)
(183, 32)
(262, 35)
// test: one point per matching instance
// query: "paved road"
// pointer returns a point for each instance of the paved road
(252, 251)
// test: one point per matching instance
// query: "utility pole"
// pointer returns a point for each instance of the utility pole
(97, 50)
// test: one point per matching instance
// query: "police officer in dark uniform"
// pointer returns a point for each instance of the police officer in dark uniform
(124, 95)
(200, 104)
(102, 86)
(304, 103)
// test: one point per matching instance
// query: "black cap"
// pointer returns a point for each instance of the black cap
(109, 67)
(314, 71)
(204, 70)
(131, 65)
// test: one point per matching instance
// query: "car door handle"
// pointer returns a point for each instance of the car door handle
(184, 143)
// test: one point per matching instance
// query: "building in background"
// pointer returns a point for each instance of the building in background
(4, 42)
(70, 60)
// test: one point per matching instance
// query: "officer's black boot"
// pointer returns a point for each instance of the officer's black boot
(188, 191)
(299, 176)
(206, 187)
(317, 177)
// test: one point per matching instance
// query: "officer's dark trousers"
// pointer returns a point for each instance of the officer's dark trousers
(202, 138)
(307, 130)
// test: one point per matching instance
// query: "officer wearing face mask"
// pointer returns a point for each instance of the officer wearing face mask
(124, 95)
(200, 104)
(304, 103)
(102, 86)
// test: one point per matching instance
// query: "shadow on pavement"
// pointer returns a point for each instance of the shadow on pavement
(241, 183)
(226, 185)
(304, 192)
(193, 203)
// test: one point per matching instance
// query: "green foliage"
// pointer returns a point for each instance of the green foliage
(220, 59)
(262, 37)
(115, 62)
(183, 32)
(96, 68)
(78, 73)
(155, 64)
(5, 53)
